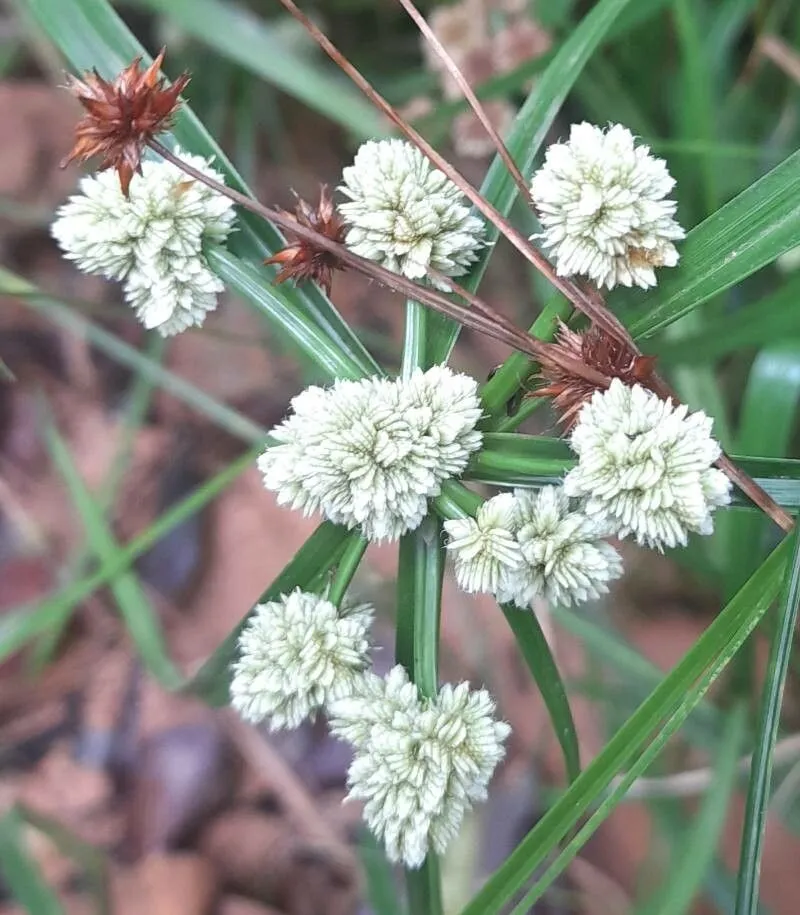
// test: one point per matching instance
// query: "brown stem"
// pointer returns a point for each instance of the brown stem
(484, 319)
(474, 103)
(586, 304)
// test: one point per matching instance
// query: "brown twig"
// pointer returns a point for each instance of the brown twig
(452, 68)
(483, 318)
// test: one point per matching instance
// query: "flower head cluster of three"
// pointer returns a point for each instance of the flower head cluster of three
(418, 763)
(601, 201)
(369, 454)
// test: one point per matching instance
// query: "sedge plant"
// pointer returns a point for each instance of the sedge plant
(390, 459)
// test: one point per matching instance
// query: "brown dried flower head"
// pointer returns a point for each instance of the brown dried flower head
(302, 260)
(123, 115)
(598, 350)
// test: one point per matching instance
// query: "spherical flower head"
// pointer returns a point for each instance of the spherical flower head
(644, 466)
(95, 229)
(405, 214)
(565, 561)
(601, 201)
(152, 239)
(486, 552)
(296, 654)
(419, 763)
(370, 453)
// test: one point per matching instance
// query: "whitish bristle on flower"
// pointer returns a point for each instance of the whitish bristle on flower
(370, 453)
(405, 214)
(419, 764)
(527, 544)
(565, 559)
(645, 467)
(485, 550)
(151, 240)
(296, 654)
(602, 203)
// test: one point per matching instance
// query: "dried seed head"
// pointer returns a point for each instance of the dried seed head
(597, 350)
(123, 115)
(303, 260)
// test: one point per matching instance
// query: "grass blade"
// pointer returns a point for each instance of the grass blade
(634, 743)
(751, 231)
(688, 871)
(18, 627)
(244, 38)
(769, 719)
(70, 319)
(134, 605)
(536, 652)
(419, 592)
(335, 357)
(21, 873)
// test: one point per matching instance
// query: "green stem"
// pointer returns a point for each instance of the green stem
(346, 568)
(512, 374)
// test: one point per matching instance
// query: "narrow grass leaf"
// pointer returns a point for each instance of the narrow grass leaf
(536, 652)
(419, 596)
(671, 702)
(767, 420)
(246, 39)
(63, 316)
(769, 320)
(20, 626)
(131, 598)
(249, 282)
(758, 791)
(743, 236)
(695, 855)
(21, 873)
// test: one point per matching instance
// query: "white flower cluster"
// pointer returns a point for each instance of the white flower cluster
(296, 654)
(529, 545)
(645, 466)
(405, 214)
(151, 240)
(602, 204)
(419, 763)
(371, 453)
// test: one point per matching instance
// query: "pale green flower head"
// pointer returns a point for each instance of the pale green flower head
(151, 240)
(419, 764)
(369, 454)
(405, 214)
(295, 655)
(645, 467)
(602, 203)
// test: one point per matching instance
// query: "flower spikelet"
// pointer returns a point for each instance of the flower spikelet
(123, 115)
(370, 453)
(405, 214)
(302, 260)
(152, 239)
(419, 764)
(645, 466)
(601, 201)
(565, 561)
(485, 550)
(297, 654)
